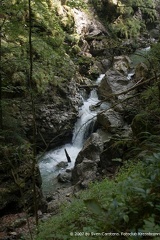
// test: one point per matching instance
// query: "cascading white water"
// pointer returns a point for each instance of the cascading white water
(48, 163)
(130, 75)
(85, 115)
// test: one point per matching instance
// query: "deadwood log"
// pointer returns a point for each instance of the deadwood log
(67, 156)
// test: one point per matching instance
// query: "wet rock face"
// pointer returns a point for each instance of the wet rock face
(92, 33)
(62, 165)
(56, 113)
(55, 125)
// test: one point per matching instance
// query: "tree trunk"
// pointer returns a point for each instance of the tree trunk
(30, 86)
(1, 116)
(67, 156)
(1, 112)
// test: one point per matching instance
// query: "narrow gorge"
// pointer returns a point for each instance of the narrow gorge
(79, 106)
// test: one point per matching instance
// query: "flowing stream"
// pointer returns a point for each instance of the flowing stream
(82, 130)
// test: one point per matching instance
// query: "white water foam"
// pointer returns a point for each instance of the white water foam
(48, 163)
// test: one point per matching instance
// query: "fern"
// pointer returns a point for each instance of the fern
(128, 28)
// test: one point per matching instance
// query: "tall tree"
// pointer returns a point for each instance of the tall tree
(1, 120)
(2, 20)
(30, 85)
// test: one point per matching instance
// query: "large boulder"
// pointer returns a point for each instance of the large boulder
(114, 82)
(87, 161)
(121, 64)
(91, 149)
(51, 122)
(64, 177)
(110, 120)
(106, 64)
(110, 156)
(85, 173)
(115, 151)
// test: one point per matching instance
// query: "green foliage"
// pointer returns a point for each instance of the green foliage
(150, 225)
(98, 4)
(77, 4)
(127, 18)
(94, 206)
(49, 56)
(150, 97)
(127, 28)
(147, 120)
(146, 8)
(130, 203)
(154, 58)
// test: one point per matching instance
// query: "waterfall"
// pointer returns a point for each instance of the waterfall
(86, 117)
(82, 130)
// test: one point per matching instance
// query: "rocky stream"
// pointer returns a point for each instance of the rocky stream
(83, 119)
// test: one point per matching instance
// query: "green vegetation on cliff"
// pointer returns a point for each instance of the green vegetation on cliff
(49, 56)
(126, 19)
(51, 68)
